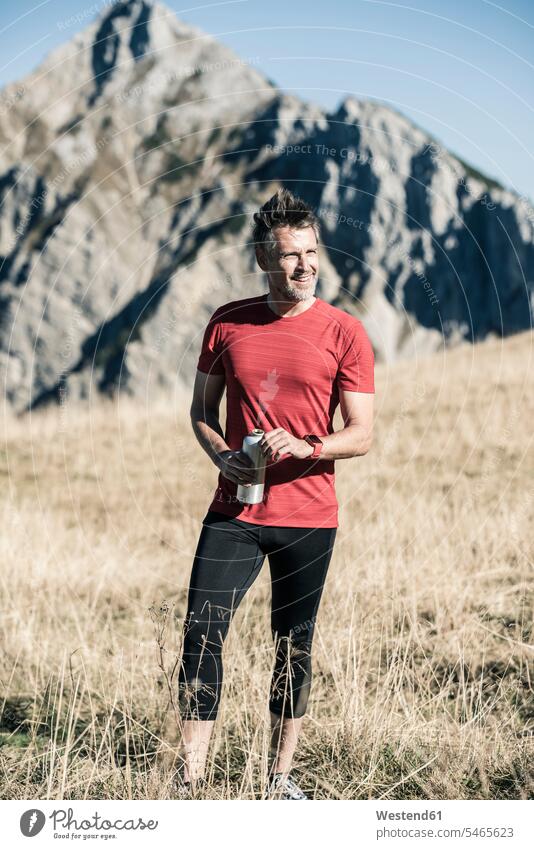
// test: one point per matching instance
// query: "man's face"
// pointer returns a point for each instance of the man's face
(293, 265)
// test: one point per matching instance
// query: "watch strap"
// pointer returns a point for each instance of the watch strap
(316, 443)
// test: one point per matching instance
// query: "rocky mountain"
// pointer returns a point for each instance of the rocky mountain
(131, 161)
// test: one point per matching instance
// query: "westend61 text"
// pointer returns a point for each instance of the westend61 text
(408, 815)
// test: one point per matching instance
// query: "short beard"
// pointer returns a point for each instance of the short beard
(293, 293)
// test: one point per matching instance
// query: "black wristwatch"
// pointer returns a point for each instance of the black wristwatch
(317, 444)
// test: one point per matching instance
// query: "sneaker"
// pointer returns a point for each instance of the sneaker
(283, 787)
(181, 789)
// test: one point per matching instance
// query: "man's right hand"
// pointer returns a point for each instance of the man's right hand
(236, 466)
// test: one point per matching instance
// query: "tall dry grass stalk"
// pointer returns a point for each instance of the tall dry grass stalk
(423, 654)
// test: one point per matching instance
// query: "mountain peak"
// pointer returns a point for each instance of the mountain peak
(142, 23)
(110, 35)
(134, 30)
(135, 45)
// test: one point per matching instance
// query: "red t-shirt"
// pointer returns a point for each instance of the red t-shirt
(285, 372)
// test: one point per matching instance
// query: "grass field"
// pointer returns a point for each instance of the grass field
(424, 653)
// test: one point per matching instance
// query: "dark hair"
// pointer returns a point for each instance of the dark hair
(283, 209)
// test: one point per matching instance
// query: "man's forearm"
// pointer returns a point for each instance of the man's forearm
(209, 433)
(350, 441)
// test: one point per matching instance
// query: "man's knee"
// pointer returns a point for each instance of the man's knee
(293, 655)
(291, 680)
(205, 629)
(200, 670)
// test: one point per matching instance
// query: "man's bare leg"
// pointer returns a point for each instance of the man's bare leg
(196, 738)
(284, 736)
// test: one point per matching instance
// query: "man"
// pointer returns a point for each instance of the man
(287, 359)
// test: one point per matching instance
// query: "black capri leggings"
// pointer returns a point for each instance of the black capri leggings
(229, 556)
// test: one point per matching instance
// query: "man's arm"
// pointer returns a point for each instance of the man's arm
(356, 437)
(207, 393)
(353, 440)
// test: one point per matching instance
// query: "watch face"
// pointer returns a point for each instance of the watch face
(314, 439)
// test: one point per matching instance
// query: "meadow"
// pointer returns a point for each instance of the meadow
(423, 660)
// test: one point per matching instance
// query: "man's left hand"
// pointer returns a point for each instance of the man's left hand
(279, 441)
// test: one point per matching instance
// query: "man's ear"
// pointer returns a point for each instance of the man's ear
(260, 257)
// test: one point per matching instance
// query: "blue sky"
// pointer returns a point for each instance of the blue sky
(462, 71)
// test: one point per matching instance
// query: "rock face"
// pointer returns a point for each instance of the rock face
(132, 160)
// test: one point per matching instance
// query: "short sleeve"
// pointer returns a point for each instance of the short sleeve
(356, 365)
(210, 359)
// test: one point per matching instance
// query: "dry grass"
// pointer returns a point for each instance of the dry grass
(423, 658)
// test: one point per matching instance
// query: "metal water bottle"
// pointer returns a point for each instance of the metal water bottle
(253, 494)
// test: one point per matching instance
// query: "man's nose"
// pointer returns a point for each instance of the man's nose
(304, 262)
